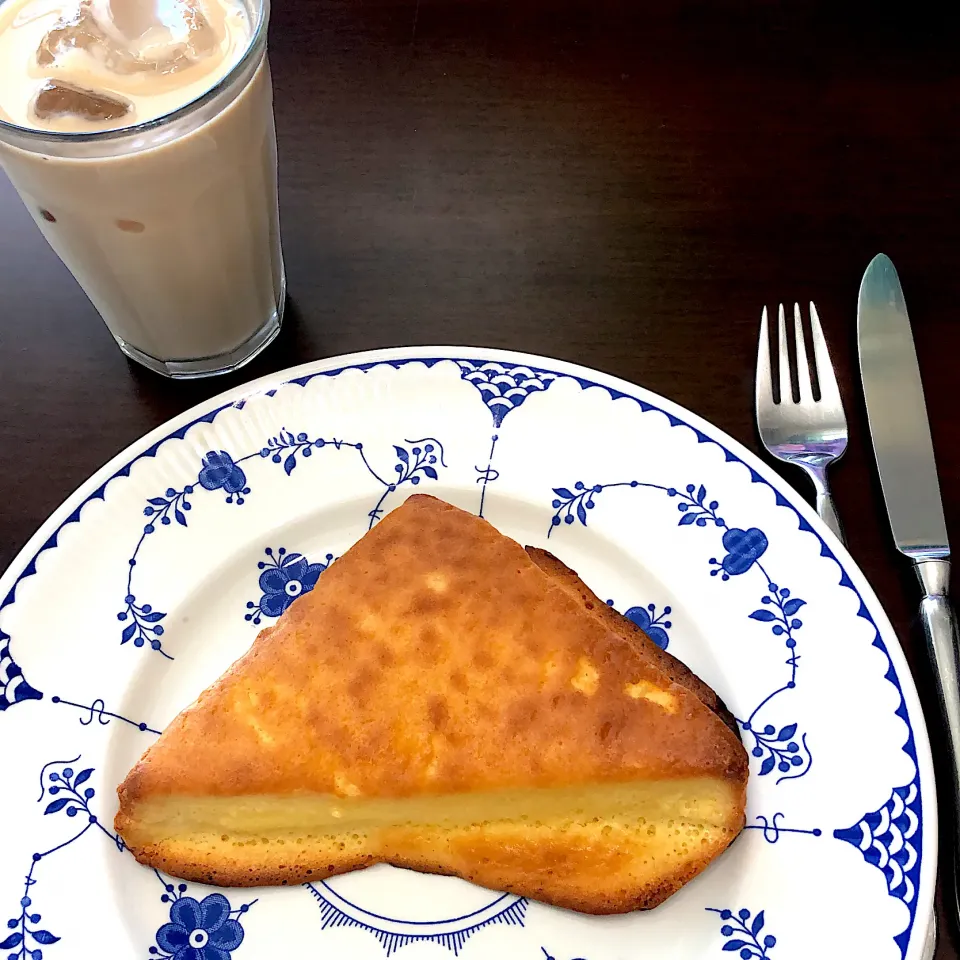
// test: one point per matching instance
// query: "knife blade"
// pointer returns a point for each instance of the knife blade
(898, 415)
(900, 433)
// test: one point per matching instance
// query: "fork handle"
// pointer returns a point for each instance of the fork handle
(826, 509)
(828, 514)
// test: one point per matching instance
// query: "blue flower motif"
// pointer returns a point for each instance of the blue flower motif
(744, 548)
(653, 626)
(285, 577)
(219, 472)
(200, 931)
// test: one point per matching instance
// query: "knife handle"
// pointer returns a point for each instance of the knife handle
(940, 630)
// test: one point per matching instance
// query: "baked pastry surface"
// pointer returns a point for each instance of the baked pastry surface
(445, 701)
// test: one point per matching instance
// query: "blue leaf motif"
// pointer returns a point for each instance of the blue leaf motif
(289, 464)
(563, 492)
(687, 519)
(430, 472)
(581, 513)
(82, 777)
(792, 606)
(157, 501)
(12, 941)
(57, 804)
(152, 617)
(745, 933)
(43, 936)
(701, 494)
(764, 616)
(181, 519)
(402, 454)
(767, 766)
(128, 632)
(787, 732)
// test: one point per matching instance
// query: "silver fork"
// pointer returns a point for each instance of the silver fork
(810, 434)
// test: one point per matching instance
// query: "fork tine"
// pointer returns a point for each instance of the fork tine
(829, 390)
(803, 367)
(763, 393)
(786, 384)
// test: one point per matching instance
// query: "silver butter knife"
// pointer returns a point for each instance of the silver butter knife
(908, 473)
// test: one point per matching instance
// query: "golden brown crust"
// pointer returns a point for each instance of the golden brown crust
(224, 873)
(435, 657)
(226, 870)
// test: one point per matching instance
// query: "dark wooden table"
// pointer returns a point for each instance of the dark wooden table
(598, 181)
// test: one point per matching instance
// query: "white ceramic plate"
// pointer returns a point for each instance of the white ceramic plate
(158, 572)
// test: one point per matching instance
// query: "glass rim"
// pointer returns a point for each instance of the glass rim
(116, 133)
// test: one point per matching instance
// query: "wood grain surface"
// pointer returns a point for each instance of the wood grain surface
(595, 180)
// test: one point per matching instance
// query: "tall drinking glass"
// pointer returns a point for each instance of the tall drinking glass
(171, 226)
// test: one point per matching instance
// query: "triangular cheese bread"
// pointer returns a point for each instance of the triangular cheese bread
(445, 701)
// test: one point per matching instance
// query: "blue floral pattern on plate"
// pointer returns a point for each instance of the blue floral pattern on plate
(285, 577)
(219, 472)
(654, 625)
(744, 934)
(415, 460)
(198, 930)
(71, 795)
